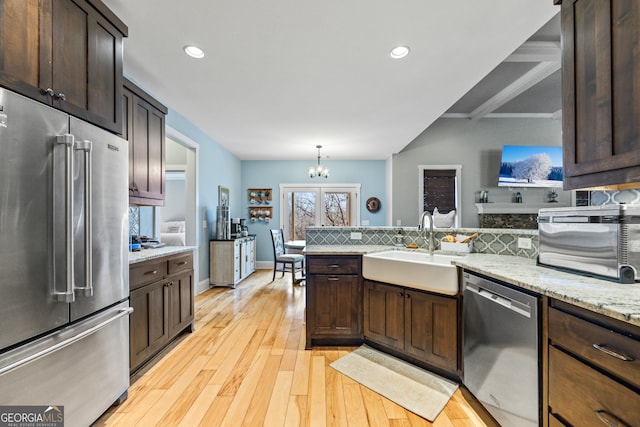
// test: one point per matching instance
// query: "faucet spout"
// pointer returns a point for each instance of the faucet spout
(421, 224)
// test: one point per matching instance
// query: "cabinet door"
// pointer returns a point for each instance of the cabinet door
(600, 91)
(337, 305)
(147, 153)
(431, 329)
(384, 314)
(25, 47)
(180, 303)
(148, 324)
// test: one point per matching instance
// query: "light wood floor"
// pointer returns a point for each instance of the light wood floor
(246, 365)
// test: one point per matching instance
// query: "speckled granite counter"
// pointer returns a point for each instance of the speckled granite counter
(601, 296)
(612, 299)
(146, 254)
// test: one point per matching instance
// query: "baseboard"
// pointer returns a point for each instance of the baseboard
(264, 265)
(202, 286)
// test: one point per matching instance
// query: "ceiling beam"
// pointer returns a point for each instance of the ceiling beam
(528, 80)
(536, 52)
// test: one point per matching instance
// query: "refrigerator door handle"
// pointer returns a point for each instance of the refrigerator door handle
(35, 356)
(87, 288)
(67, 295)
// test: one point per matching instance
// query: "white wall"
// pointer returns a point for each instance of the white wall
(477, 146)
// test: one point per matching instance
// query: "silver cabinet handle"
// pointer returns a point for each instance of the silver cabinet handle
(335, 266)
(609, 419)
(67, 296)
(61, 96)
(333, 279)
(146, 273)
(49, 92)
(603, 348)
(87, 289)
(121, 313)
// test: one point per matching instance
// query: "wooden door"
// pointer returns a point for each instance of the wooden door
(148, 324)
(601, 92)
(180, 303)
(431, 329)
(148, 152)
(25, 47)
(384, 314)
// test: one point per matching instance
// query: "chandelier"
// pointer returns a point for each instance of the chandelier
(319, 170)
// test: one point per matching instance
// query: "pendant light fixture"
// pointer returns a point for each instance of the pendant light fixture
(319, 170)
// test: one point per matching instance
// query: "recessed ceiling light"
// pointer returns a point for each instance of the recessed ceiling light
(194, 51)
(399, 52)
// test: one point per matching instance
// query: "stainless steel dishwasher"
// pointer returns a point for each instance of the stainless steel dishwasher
(500, 350)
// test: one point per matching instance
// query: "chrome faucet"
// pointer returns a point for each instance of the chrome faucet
(421, 224)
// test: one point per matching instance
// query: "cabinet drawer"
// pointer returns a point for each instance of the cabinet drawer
(581, 337)
(181, 263)
(583, 396)
(146, 272)
(333, 265)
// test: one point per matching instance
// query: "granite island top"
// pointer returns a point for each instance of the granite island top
(147, 254)
(618, 301)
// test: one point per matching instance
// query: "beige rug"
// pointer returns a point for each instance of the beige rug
(415, 389)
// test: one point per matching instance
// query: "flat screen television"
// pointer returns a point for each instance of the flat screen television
(530, 166)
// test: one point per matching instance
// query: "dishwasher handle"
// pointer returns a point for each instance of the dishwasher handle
(509, 303)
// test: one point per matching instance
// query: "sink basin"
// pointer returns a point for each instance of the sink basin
(417, 270)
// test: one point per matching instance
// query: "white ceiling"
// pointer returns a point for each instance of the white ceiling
(281, 76)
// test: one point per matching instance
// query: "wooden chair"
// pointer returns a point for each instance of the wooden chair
(284, 262)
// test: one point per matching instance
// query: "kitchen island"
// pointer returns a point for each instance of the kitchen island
(609, 298)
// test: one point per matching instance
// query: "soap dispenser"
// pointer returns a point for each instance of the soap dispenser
(399, 238)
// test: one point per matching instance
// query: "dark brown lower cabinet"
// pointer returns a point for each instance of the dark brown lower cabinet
(419, 324)
(161, 296)
(594, 369)
(334, 300)
(148, 324)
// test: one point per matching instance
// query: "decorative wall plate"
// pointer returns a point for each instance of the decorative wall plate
(373, 204)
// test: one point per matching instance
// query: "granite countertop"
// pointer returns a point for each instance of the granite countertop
(618, 301)
(146, 254)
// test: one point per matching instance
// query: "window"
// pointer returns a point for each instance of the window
(439, 187)
(305, 206)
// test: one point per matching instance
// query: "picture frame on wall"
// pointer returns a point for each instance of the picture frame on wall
(223, 196)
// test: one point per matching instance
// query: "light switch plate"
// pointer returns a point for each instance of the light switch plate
(524, 243)
(356, 235)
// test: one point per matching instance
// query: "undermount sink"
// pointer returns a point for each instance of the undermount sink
(416, 270)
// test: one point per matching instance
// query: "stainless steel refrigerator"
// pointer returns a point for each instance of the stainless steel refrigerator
(64, 277)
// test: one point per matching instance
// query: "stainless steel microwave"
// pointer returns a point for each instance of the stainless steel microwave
(600, 241)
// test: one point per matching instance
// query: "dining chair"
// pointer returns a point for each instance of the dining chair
(284, 262)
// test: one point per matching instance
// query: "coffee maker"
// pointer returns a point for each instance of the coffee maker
(236, 228)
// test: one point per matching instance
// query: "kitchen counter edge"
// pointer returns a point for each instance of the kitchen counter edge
(147, 254)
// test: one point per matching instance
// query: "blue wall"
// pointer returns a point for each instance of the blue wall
(271, 173)
(216, 166)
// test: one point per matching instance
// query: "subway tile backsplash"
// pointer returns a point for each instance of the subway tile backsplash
(491, 241)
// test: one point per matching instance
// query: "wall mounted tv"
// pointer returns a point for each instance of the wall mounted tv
(530, 166)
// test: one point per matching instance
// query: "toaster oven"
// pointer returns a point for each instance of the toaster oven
(599, 241)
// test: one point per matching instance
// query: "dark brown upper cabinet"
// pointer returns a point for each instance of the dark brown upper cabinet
(600, 93)
(144, 128)
(64, 53)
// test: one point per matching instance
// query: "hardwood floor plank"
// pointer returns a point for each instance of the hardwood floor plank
(296, 412)
(279, 401)
(317, 414)
(246, 364)
(198, 410)
(356, 412)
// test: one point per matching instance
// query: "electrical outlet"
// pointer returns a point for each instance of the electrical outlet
(399, 222)
(356, 235)
(365, 222)
(524, 243)
(204, 223)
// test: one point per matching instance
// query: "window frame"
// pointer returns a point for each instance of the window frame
(458, 178)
